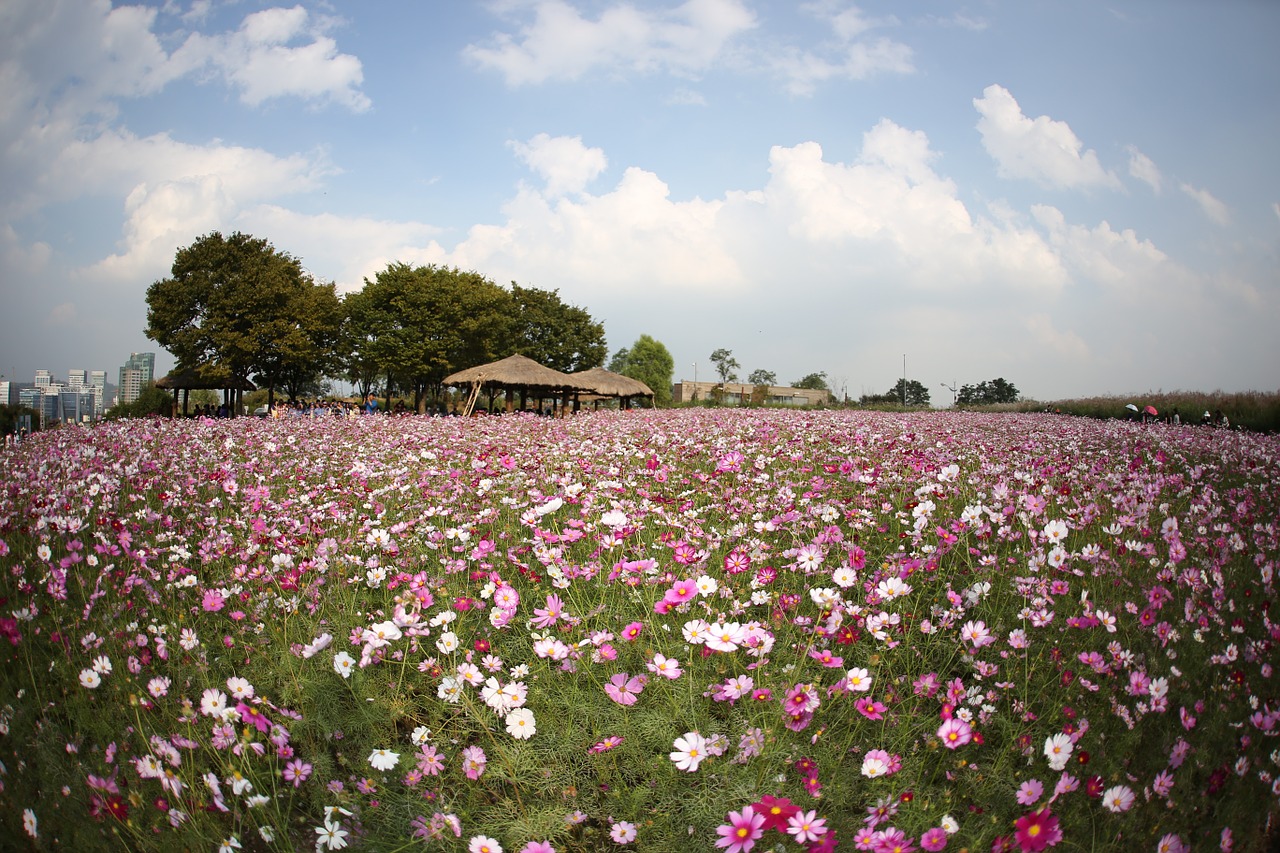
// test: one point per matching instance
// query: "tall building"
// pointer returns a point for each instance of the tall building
(43, 378)
(76, 379)
(136, 374)
(75, 405)
(98, 385)
(5, 386)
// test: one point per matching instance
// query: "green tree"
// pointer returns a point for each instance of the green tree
(763, 377)
(562, 337)
(650, 362)
(419, 324)
(813, 382)
(916, 394)
(987, 393)
(238, 306)
(151, 401)
(726, 365)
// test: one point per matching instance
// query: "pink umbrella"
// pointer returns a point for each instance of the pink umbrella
(1151, 410)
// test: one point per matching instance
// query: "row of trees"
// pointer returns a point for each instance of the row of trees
(236, 306)
(727, 369)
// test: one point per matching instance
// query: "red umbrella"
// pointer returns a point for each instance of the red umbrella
(1151, 410)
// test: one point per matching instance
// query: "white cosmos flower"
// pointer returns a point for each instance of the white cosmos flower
(521, 724)
(689, 752)
(384, 759)
(89, 678)
(343, 664)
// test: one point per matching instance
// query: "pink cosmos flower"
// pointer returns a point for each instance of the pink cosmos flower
(538, 847)
(297, 772)
(473, 762)
(934, 839)
(741, 831)
(806, 826)
(624, 689)
(1029, 792)
(632, 631)
(680, 592)
(955, 733)
(622, 832)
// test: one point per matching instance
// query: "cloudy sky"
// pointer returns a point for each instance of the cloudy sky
(1082, 198)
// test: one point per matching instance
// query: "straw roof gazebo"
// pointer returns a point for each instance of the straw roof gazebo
(606, 383)
(212, 378)
(516, 373)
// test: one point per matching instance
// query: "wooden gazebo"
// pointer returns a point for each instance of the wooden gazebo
(516, 373)
(210, 377)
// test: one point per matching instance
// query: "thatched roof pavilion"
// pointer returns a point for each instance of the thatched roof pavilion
(606, 383)
(516, 373)
(210, 377)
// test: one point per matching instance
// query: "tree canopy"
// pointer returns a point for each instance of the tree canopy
(987, 393)
(916, 394)
(763, 377)
(562, 337)
(812, 382)
(726, 365)
(650, 362)
(238, 306)
(419, 324)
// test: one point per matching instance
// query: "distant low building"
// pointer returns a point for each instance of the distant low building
(736, 393)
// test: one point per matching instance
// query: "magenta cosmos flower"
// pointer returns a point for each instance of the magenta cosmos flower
(1036, 831)
(740, 833)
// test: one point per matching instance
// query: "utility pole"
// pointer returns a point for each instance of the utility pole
(904, 380)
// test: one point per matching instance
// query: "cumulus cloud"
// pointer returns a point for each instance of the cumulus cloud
(1212, 207)
(1142, 168)
(1041, 149)
(560, 43)
(280, 53)
(175, 190)
(1102, 255)
(564, 162)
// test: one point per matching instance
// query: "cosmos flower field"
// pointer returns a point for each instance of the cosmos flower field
(674, 630)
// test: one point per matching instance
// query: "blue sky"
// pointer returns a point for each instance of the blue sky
(1082, 198)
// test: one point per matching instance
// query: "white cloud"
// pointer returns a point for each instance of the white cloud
(1117, 259)
(260, 60)
(847, 55)
(1041, 149)
(1212, 207)
(343, 249)
(174, 190)
(564, 162)
(1067, 344)
(561, 44)
(1142, 168)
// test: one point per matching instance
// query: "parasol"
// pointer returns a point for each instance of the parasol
(1151, 410)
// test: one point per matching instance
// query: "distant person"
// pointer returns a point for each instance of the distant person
(1175, 418)
(371, 405)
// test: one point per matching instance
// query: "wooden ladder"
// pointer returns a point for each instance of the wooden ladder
(471, 400)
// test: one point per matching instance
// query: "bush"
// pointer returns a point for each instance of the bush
(641, 628)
